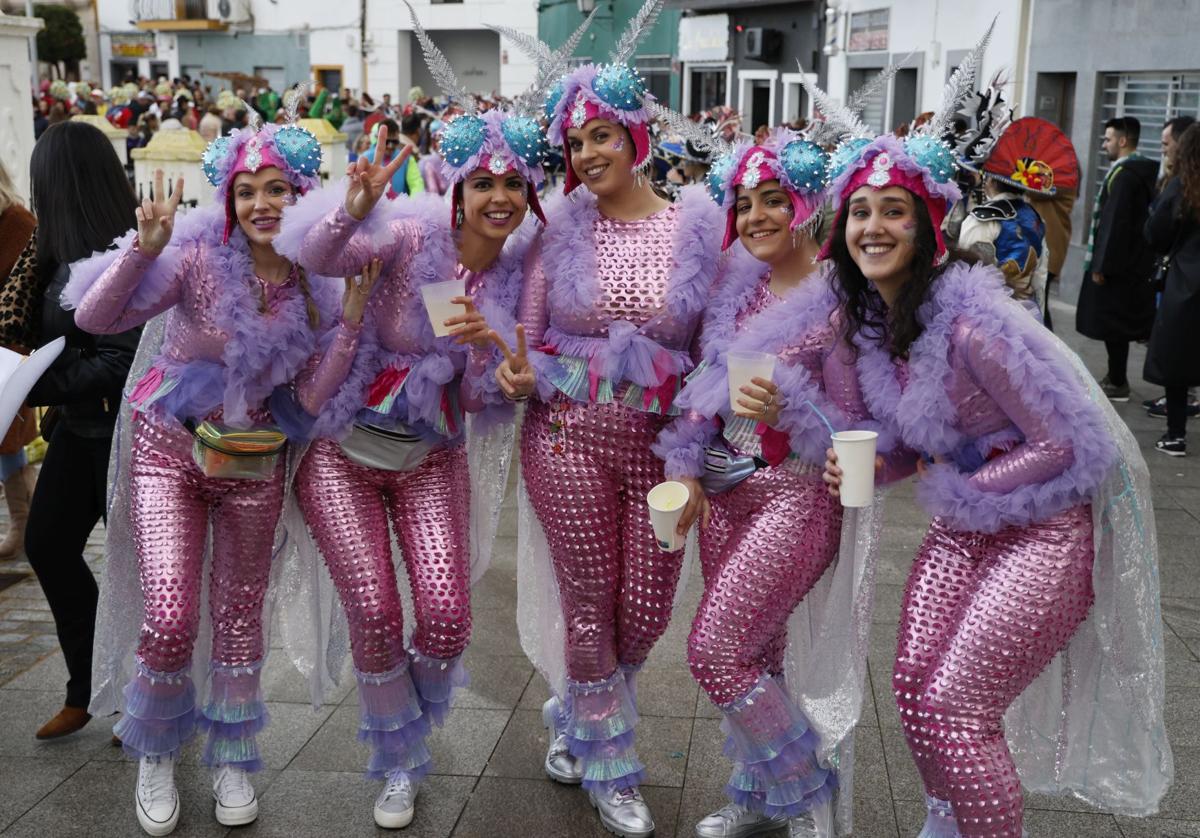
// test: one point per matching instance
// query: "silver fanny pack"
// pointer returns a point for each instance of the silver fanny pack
(398, 449)
(723, 469)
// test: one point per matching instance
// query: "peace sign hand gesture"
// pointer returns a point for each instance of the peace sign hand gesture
(156, 216)
(369, 179)
(515, 375)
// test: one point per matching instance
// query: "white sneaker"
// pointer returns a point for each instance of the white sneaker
(397, 802)
(236, 803)
(155, 795)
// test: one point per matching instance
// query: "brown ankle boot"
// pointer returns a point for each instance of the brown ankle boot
(16, 495)
(68, 720)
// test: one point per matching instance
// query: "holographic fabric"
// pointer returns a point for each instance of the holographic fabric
(587, 470)
(983, 615)
(770, 539)
(172, 502)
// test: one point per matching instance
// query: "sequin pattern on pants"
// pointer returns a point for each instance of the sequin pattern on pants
(983, 615)
(587, 469)
(770, 539)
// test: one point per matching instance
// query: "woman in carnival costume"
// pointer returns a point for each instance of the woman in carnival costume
(200, 448)
(392, 437)
(1042, 539)
(610, 309)
(774, 530)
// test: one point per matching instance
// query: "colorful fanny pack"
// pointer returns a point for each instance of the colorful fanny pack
(221, 451)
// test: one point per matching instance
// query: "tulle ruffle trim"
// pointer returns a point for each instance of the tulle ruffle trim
(159, 714)
(234, 716)
(435, 680)
(600, 733)
(392, 723)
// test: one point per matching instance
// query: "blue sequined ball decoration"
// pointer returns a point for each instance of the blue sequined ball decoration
(804, 163)
(845, 154)
(462, 139)
(524, 136)
(213, 159)
(300, 149)
(933, 155)
(553, 98)
(620, 87)
(717, 176)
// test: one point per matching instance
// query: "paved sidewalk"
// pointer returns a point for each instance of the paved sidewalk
(490, 783)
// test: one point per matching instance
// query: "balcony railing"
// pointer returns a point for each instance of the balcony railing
(174, 15)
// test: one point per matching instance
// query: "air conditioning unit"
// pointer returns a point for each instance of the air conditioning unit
(229, 11)
(762, 44)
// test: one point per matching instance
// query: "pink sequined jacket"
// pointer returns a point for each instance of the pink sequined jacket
(992, 402)
(401, 373)
(230, 339)
(610, 307)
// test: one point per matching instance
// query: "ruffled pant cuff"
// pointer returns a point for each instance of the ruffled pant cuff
(233, 716)
(600, 733)
(159, 714)
(435, 680)
(392, 722)
(775, 772)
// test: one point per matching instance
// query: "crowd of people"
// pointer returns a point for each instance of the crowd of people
(272, 384)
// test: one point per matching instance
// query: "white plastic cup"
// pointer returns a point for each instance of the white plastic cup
(666, 502)
(742, 367)
(437, 297)
(856, 458)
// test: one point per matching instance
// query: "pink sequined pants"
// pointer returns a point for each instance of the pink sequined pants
(770, 539)
(347, 506)
(983, 615)
(587, 469)
(171, 502)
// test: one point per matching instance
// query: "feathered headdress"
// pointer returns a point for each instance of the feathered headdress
(984, 117)
(295, 151)
(612, 91)
(923, 162)
(498, 140)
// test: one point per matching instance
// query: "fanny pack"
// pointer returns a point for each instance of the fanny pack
(387, 449)
(221, 451)
(723, 469)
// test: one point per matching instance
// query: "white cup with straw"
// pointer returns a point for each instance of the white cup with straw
(856, 458)
(666, 502)
(742, 366)
(437, 297)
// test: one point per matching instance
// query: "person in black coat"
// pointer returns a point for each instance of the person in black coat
(1116, 300)
(1173, 229)
(83, 201)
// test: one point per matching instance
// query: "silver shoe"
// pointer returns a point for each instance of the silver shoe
(624, 812)
(559, 764)
(816, 823)
(396, 804)
(734, 821)
(939, 822)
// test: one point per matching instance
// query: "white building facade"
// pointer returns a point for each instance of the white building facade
(928, 39)
(355, 45)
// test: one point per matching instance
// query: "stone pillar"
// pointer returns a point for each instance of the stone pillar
(16, 102)
(334, 157)
(177, 152)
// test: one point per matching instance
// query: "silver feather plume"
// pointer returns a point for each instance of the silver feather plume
(841, 122)
(551, 63)
(991, 115)
(639, 27)
(959, 87)
(253, 118)
(695, 133)
(293, 100)
(440, 68)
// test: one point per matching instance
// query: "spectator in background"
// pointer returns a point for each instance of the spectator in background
(431, 163)
(80, 211)
(40, 122)
(407, 180)
(1171, 134)
(210, 124)
(1173, 229)
(1116, 299)
(352, 127)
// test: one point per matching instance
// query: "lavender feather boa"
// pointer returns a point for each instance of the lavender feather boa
(260, 353)
(974, 298)
(440, 360)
